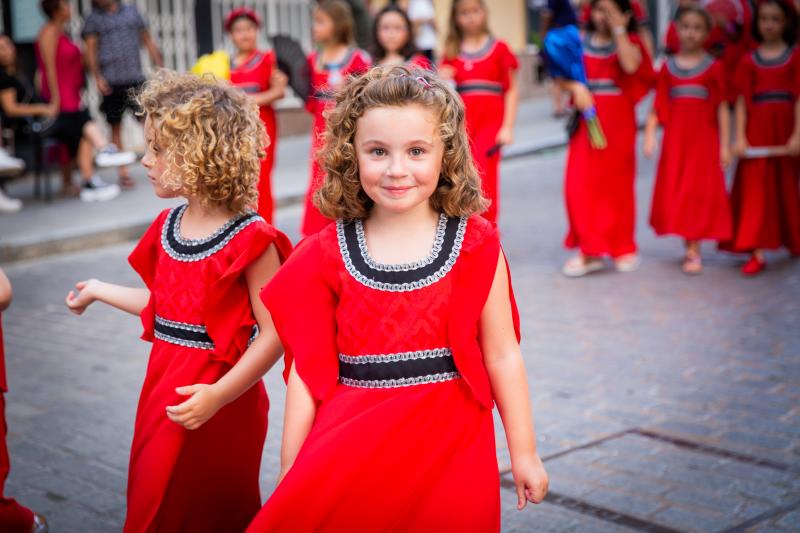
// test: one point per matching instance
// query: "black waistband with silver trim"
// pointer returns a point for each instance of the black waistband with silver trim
(689, 91)
(397, 369)
(603, 86)
(772, 96)
(480, 86)
(188, 335)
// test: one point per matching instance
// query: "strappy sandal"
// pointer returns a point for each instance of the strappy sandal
(692, 264)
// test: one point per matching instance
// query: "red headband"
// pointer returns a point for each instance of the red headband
(240, 12)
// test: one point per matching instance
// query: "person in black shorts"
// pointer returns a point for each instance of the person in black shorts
(114, 33)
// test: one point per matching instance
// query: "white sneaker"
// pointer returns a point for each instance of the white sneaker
(97, 190)
(9, 205)
(110, 156)
(580, 266)
(10, 165)
(628, 263)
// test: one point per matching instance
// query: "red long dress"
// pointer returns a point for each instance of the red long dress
(253, 76)
(325, 80)
(200, 321)
(403, 438)
(765, 196)
(599, 185)
(482, 79)
(14, 518)
(690, 199)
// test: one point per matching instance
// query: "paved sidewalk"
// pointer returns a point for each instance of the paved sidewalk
(68, 225)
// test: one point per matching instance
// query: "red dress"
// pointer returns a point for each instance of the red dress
(690, 198)
(403, 438)
(599, 189)
(200, 321)
(253, 76)
(482, 79)
(765, 196)
(325, 80)
(14, 518)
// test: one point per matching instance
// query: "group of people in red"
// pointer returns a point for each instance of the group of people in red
(707, 75)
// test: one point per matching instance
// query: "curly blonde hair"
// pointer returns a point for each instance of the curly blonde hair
(458, 192)
(211, 135)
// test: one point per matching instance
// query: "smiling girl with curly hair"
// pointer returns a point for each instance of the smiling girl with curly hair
(201, 421)
(390, 386)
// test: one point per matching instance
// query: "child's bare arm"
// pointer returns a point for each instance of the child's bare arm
(724, 121)
(5, 291)
(506, 369)
(129, 299)
(650, 128)
(740, 113)
(506, 134)
(301, 408)
(260, 356)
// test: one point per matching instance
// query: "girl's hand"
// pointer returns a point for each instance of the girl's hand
(581, 96)
(725, 156)
(194, 412)
(278, 79)
(77, 303)
(740, 147)
(793, 146)
(649, 146)
(530, 479)
(504, 137)
(614, 15)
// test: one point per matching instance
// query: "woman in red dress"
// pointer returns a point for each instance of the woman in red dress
(202, 415)
(393, 40)
(599, 186)
(690, 199)
(334, 60)
(255, 72)
(765, 196)
(389, 403)
(484, 71)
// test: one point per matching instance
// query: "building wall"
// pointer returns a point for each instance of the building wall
(507, 20)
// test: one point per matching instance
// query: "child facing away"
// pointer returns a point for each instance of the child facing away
(14, 517)
(393, 40)
(331, 63)
(202, 414)
(484, 70)
(766, 197)
(690, 199)
(415, 331)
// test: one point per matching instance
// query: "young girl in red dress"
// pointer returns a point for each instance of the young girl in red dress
(389, 404)
(14, 518)
(484, 71)
(599, 185)
(255, 72)
(202, 415)
(690, 199)
(393, 40)
(334, 60)
(765, 196)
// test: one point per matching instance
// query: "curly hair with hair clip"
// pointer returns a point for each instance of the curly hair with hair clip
(211, 136)
(458, 192)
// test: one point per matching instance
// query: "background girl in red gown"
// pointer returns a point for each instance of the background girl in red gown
(14, 518)
(389, 403)
(255, 72)
(334, 59)
(393, 40)
(484, 71)
(765, 196)
(599, 186)
(202, 415)
(690, 199)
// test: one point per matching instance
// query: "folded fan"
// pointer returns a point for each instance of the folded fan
(292, 61)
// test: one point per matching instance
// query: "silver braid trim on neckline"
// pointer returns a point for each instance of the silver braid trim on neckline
(438, 242)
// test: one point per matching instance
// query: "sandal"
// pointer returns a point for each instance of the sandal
(628, 263)
(580, 265)
(692, 263)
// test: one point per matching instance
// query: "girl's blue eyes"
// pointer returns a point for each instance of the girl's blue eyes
(414, 151)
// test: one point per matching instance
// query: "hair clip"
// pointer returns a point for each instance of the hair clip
(424, 82)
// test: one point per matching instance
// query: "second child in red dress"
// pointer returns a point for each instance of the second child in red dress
(333, 61)
(202, 415)
(400, 331)
(766, 195)
(393, 40)
(484, 70)
(690, 199)
(256, 73)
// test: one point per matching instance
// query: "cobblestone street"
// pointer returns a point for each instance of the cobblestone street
(663, 402)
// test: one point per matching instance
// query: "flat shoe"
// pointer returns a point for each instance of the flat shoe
(579, 266)
(628, 263)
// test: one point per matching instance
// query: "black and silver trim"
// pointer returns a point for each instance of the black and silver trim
(779, 61)
(689, 91)
(768, 97)
(680, 72)
(603, 86)
(404, 277)
(188, 335)
(397, 369)
(190, 250)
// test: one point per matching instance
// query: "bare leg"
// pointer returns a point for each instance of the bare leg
(692, 263)
(92, 133)
(116, 138)
(85, 159)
